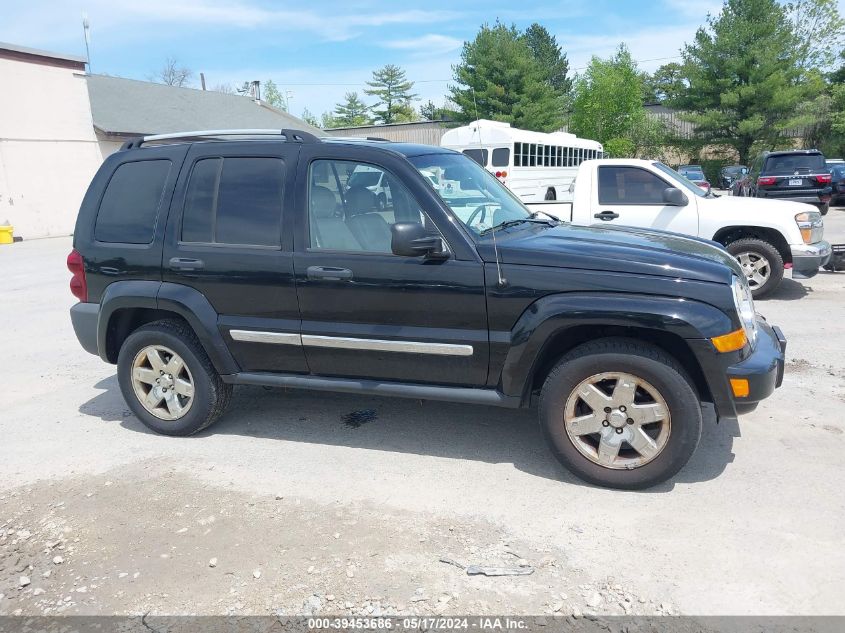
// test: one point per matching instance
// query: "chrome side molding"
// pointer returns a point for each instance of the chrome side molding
(342, 342)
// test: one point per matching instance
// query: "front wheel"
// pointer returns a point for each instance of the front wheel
(620, 413)
(168, 380)
(823, 209)
(761, 262)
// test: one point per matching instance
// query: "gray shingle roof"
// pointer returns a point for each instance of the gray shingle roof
(127, 106)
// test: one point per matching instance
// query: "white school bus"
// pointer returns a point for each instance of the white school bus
(539, 168)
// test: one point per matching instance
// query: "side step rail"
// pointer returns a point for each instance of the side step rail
(467, 395)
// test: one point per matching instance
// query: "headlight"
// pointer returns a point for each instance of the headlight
(811, 225)
(745, 308)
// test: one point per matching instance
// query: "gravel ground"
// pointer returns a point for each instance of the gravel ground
(283, 508)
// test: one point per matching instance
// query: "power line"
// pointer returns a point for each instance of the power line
(436, 81)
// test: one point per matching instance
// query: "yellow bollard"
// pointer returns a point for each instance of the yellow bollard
(6, 231)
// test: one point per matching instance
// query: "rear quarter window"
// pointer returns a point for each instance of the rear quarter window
(131, 203)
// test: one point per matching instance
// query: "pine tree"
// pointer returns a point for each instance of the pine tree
(500, 78)
(393, 91)
(352, 111)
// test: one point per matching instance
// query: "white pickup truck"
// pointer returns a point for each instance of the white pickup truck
(766, 236)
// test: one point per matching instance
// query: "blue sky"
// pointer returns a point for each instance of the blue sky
(320, 49)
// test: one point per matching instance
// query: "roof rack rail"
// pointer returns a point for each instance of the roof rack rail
(291, 136)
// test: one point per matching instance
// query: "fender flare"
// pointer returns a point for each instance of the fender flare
(187, 302)
(547, 317)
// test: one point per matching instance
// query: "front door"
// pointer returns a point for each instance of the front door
(633, 196)
(366, 312)
(225, 240)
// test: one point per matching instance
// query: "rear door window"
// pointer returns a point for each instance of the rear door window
(501, 157)
(478, 155)
(131, 203)
(234, 200)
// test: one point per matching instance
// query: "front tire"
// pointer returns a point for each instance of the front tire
(620, 413)
(761, 262)
(168, 380)
(824, 208)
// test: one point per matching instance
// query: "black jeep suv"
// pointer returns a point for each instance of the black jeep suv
(794, 175)
(211, 259)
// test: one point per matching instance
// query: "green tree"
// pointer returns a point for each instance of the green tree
(819, 30)
(390, 86)
(666, 84)
(608, 107)
(431, 112)
(549, 56)
(309, 118)
(744, 77)
(499, 78)
(273, 96)
(352, 111)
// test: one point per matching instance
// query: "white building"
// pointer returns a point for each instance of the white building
(57, 124)
(48, 149)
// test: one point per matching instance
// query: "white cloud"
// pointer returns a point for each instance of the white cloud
(334, 22)
(651, 47)
(430, 44)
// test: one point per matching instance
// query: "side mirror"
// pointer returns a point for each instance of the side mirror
(411, 239)
(674, 197)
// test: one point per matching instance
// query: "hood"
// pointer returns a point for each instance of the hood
(615, 249)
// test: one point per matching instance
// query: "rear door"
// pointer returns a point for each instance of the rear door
(633, 196)
(225, 240)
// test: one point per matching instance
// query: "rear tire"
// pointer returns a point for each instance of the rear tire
(657, 383)
(761, 262)
(168, 380)
(823, 209)
(551, 194)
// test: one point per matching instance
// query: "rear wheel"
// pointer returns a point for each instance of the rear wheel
(551, 194)
(168, 380)
(761, 262)
(620, 413)
(823, 209)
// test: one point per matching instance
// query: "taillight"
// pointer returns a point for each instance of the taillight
(823, 178)
(501, 174)
(78, 284)
(765, 181)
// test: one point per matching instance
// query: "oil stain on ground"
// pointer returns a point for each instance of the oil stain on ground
(355, 419)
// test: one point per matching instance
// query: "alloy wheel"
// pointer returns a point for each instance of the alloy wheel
(617, 420)
(756, 268)
(162, 382)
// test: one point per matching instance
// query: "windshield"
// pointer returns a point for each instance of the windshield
(475, 196)
(692, 174)
(681, 180)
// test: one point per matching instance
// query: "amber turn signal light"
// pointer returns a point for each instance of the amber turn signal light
(740, 387)
(731, 341)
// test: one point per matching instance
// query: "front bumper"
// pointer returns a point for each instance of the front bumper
(808, 258)
(763, 369)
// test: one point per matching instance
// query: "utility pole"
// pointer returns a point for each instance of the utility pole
(86, 31)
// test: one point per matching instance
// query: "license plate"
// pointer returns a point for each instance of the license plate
(796, 182)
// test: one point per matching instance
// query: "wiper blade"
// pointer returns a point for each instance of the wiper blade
(532, 220)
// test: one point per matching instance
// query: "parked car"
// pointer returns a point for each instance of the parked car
(201, 263)
(837, 182)
(795, 175)
(374, 181)
(695, 174)
(730, 174)
(766, 236)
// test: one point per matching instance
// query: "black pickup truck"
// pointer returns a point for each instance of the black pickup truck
(210, 259)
